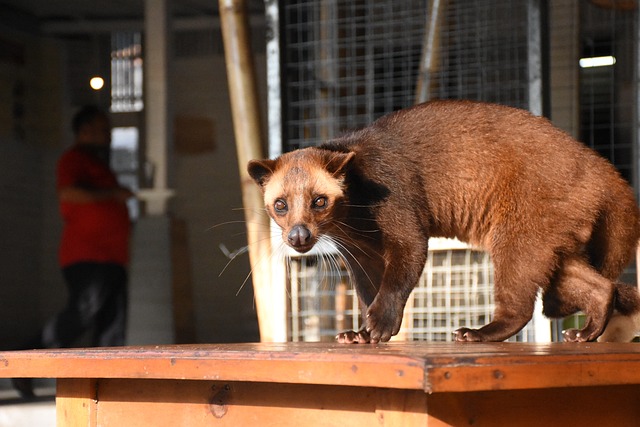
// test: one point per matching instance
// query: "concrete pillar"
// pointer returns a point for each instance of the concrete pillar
(158, 116)
(150, 296)
(151, 307)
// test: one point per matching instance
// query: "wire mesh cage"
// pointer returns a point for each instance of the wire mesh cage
(606, 97)
(322, 301)
(346, 63)
(483, 52)
(454, 291)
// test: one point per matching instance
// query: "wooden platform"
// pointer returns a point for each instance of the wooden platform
(414, 384)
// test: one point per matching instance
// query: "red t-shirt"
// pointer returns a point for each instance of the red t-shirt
(97, 231)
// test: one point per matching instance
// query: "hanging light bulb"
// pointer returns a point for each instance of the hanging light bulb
(96, 83)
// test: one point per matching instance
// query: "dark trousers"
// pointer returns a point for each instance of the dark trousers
(98, 299)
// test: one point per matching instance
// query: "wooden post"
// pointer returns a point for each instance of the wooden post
(248, 134)
(77, 402)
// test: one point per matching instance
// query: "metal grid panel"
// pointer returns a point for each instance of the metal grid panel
(606, 95)
(322, 302)
(483, 52)
(606, 99)
(348, 62)
(455, 291)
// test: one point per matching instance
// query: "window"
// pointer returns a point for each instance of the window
(126, 72)
(124, 161)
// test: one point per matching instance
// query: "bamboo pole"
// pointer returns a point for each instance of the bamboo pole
(248, 134)
(430, 51)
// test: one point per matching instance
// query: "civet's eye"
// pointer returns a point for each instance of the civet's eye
(320, 202)
(280, 206)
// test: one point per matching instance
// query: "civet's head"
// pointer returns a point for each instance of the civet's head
(302, 191)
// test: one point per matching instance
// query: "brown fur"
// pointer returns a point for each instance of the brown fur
(552, 213)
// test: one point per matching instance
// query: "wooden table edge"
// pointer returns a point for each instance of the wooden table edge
(411, 367)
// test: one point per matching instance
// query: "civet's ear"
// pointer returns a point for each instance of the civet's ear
(337, 162)
(261, 170)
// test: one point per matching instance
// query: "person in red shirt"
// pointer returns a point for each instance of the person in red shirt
(94, 250)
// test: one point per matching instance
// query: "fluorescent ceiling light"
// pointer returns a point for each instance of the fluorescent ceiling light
(597, 61)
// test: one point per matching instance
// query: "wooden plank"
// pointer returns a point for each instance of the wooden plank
(138, 403)
(76, 402)
(204, 403)
(578, 406)
(301, 384)
(281, 363)
(401, 408)
(543, 375)
(422, 366)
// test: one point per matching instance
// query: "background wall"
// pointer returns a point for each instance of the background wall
(209, 199)
(31, 91)
(35, 109)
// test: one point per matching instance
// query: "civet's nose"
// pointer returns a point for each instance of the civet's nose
(299, 236)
